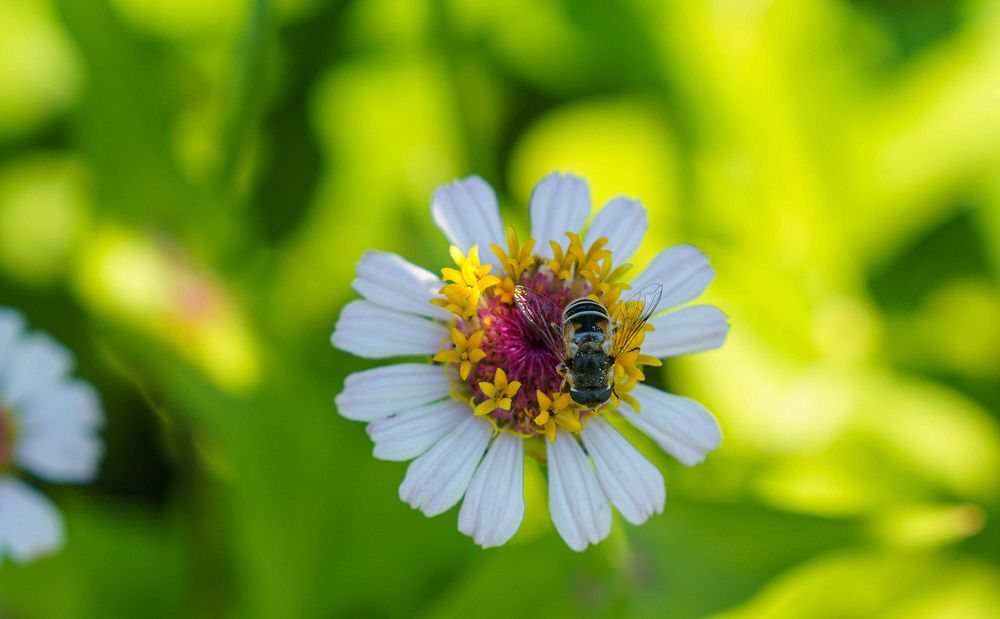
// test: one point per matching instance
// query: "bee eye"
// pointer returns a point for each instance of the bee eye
(590, 397)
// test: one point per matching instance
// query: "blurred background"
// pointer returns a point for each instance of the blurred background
(185, 187)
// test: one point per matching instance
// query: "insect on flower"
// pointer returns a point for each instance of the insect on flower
(589, 342)
(542, 342)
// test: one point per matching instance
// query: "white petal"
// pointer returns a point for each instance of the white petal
(437, 480)
(408, 434)
(57, 437)
(631, 481)
(623, 222)
(494, 504)
(374, 332)
(578, 506)
(36, 362)
(30, 525)
(390, 281)
(688, 330)
(682, 269)
(466, 210)
(380, 392)
(11, 328)
(681, 426)
(559, 204)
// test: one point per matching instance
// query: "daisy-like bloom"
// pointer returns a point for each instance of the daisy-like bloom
(48, 429)
(496, 384)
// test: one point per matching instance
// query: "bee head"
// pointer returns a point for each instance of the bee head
(590, 397)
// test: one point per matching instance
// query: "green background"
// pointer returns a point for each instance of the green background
(185, 187)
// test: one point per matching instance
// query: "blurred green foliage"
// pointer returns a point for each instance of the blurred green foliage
(185, 186)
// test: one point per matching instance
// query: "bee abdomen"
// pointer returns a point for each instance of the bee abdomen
(585, 307)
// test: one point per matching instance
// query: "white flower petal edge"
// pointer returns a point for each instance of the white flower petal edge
(623, 222)
(559, 204)
(30, 525)
(579, 509)
(58, 433)
(466, 210)
(631, 481)
(681, 426)
(40, 361)
(437, 480)
(11, 327)
(388, 280)
(387, 390)
(367, 330)
(494, 503)
(688, 330)
(682, 269)
(408, 434)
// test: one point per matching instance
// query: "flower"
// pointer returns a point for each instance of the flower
(467, 351)
(499, 393)
(48, 428)
(554, 412)
(499, 382)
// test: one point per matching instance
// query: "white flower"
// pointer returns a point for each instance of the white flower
(48, 429)
(496, 382)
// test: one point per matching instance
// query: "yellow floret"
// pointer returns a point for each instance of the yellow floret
(556, 411)
(467, 351)
(500, 393)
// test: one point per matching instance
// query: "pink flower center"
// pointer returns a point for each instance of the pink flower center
(511, 343)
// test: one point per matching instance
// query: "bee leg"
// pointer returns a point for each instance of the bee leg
(563, 371)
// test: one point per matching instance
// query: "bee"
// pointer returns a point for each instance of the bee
(589, 340)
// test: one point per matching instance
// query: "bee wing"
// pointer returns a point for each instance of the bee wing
(544, 316)
(632, 314)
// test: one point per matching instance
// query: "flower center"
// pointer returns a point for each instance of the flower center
(6, 438)
(512, 362)
(512, 343)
